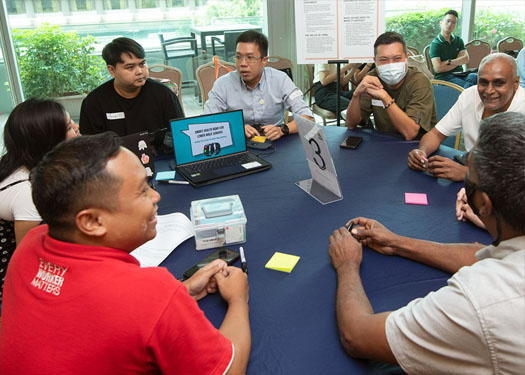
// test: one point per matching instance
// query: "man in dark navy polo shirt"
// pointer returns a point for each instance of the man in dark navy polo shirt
(448, 53)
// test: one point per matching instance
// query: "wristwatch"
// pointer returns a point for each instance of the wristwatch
(285, 129)
(448, 62)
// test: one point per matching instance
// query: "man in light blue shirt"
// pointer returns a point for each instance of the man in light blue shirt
(263, 93)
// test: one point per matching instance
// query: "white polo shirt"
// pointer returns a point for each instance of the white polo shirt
(466, 115)
(475, 325)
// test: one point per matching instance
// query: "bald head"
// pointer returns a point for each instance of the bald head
(497, 82)
(500, 58)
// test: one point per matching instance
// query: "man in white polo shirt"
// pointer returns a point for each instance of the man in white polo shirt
(497, 91)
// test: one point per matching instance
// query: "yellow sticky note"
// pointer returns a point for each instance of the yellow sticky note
(282, 262)
(259, 139)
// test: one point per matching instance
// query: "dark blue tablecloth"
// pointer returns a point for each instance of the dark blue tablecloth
(292, 315)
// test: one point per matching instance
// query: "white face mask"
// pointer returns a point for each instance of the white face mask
(393, 73)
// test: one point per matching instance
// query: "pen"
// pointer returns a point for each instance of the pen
(176, 182)
(350, 226)
(244, 266)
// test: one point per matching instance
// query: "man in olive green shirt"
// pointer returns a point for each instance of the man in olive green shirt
(401, 98)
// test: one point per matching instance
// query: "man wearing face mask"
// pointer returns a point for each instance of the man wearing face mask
(401, 98)
(475, 324)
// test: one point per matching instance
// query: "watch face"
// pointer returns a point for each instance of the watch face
(285, 129)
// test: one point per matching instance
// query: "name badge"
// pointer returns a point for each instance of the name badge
(377, 103)
(115, 116)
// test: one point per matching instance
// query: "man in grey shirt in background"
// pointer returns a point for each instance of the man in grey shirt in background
(263, 93)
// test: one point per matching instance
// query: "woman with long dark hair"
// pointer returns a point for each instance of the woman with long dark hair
(33, 128)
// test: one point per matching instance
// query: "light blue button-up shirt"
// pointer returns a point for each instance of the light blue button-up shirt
(264, 104)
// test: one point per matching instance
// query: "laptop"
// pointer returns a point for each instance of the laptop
(212, 148)
(139, 144)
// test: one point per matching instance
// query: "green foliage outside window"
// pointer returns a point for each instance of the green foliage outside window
(56, 63)
(235, 8)
(420, 28)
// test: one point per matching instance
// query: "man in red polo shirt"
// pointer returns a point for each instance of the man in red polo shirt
(76, 301)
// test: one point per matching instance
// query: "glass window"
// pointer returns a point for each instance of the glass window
(80, 5)
(418, 21)
(141, 4)
(15, 7)
(492, 24)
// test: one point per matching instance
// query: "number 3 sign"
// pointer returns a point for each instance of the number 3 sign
(324, 185)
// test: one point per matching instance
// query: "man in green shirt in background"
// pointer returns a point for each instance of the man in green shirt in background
(448, 54)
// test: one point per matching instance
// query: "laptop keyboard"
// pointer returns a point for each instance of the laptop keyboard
(217, 163)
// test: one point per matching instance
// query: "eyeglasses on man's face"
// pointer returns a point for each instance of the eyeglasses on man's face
(250, 58)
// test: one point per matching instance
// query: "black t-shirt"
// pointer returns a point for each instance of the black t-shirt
(151, 110)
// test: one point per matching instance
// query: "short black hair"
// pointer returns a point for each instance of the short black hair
(73, 177)
(499, 161)
(112, 51)
(452, 12)
(253, 36)
(388, 38)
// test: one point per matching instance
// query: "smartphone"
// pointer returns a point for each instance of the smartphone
(223, 253)
(351, 142)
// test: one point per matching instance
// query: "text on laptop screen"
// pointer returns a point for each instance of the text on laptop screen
(204, 137)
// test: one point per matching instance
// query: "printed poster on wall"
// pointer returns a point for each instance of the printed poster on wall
(337, 29)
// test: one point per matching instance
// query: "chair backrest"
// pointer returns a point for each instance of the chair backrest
(311, 90)
(323, 113)
(173, 75)
(446, 94)
(420, 63)
(412, 51)
(509, 44)
(281, 63)
(206, 77)
(477, 50)
(426, 53)
(178, 44)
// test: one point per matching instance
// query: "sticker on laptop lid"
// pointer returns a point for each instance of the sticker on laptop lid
(253, 164)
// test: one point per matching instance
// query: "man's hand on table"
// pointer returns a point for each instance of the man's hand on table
(250, 131)
(375, 235)
(272, 132)
(203, 282)
(233, 285)
(417, 160)
(344, 249)
(442, 167)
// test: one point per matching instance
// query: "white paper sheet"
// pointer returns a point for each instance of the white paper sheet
(172, 230)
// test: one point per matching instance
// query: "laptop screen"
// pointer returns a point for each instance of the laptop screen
(208, 136)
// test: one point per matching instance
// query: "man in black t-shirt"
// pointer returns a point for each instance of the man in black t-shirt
(130, 102)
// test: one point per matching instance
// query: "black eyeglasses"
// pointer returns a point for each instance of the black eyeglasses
(470, 188)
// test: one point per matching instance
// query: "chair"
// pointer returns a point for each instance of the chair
(282, 64)
(180, 48)
(509, 44)
(446, 94)
(323, 113)
(206, 76)
(228, 44)
(477, 50)
(172, 75)
(412, 51)
(426, 53)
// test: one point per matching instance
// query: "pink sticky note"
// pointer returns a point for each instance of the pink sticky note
(415, 198)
